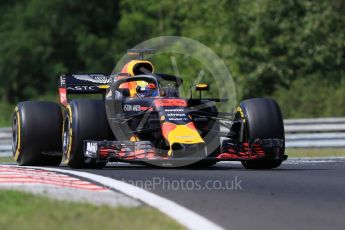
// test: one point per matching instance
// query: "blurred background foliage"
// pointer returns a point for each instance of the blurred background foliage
(289, 50)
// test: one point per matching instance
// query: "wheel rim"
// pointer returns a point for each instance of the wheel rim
(14, 134)
(66, 137)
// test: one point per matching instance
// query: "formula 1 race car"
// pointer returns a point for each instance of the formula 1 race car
(142, 119)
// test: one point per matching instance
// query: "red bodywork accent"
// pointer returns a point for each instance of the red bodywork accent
(104, 152)
(63, 96)
(124, 154)
(170, 102)
(191, 125)
(167, 127)
(243, 153)
(145, 108)
(229, 154)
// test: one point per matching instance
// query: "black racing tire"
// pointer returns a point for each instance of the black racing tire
(263, 119)
(37, 134)
(84, 120)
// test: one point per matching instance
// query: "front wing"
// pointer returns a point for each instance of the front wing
(144, 151)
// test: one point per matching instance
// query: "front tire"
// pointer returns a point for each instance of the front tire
(84, 120)
(36, 134)
(263, 120)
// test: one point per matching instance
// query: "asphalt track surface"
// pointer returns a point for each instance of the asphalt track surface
(297, 195)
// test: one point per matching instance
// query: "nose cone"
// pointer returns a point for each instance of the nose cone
(181, 134)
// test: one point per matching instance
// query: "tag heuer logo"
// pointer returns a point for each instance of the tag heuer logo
(135, 108)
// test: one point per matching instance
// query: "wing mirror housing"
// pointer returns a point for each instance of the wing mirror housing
(202, 87)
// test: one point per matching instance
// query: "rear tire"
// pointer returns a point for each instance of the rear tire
(84, 120)
(36, 134)
(263, 120)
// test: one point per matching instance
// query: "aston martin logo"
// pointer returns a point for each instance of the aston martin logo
(95, 78)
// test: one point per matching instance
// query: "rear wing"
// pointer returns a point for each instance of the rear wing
(82, 84)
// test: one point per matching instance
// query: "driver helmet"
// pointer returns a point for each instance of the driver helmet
(148, 90)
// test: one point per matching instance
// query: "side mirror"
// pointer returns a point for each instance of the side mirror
(202, 87)
(199, 87)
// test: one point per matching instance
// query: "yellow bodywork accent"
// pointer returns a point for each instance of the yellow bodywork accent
(103, 86)
(134, 138)
(132, 63)
(184, 135)
(18, 135)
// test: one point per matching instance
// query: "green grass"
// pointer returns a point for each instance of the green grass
(315, 152)
(25, 211)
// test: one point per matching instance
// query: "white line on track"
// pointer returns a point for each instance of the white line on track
(314, 160)
(300, 160)
(184, 216)
(318, 158)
